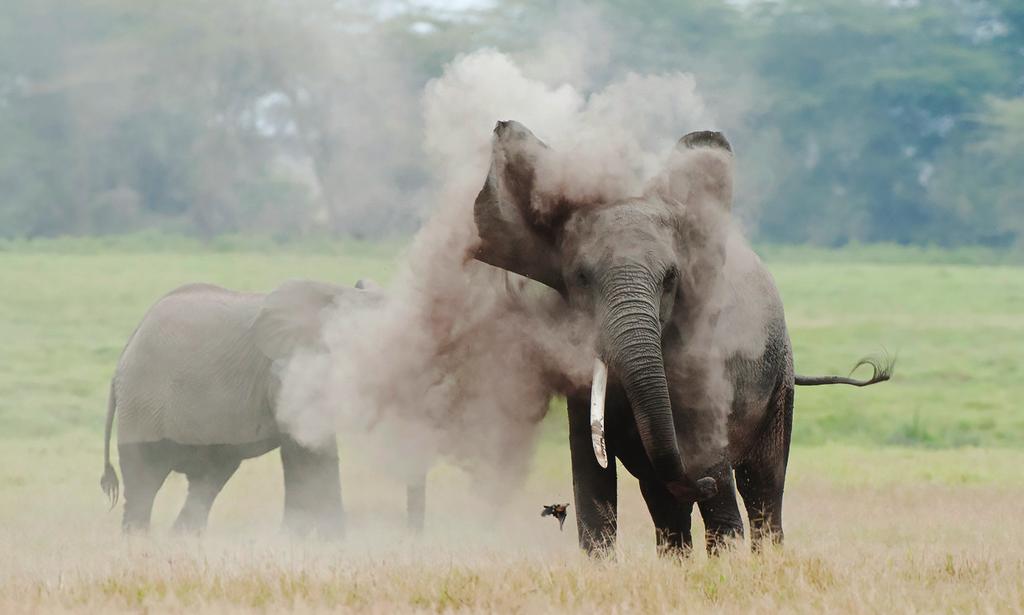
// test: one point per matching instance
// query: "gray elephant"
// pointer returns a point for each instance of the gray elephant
(694, 378)
(195, 392)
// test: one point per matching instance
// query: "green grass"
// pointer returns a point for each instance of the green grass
(69, 305)
(65, 316)
(894, 254)
(957, 331)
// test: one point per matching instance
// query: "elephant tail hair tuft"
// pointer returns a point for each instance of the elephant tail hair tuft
(882, 368)
(109, 482)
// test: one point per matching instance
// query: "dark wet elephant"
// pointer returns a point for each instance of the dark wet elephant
(692, 340)
(195, 392)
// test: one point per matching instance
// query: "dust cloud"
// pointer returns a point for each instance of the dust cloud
(463, 360)
(732, 296)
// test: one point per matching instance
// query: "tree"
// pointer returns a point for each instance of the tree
(979, 187)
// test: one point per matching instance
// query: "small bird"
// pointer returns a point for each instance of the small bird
(558, 511)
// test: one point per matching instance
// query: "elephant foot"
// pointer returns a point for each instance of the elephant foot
(722, 538)
(330, 530)
(325, 525)
(600, 549)
(187, 527)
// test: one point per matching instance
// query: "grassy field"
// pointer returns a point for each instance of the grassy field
(902, 497)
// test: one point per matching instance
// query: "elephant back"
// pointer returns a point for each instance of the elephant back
(193, 374)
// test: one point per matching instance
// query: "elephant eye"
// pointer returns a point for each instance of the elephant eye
(582, 278)
(669, 283)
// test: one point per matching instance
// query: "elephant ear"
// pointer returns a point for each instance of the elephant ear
(293, 316)
(700, 171)
(517, 224)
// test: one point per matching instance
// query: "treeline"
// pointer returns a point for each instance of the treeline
(854, 120)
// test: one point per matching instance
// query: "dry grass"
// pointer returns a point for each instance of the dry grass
(904, 547)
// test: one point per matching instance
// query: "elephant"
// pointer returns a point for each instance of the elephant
(195, 392)
(693, 384)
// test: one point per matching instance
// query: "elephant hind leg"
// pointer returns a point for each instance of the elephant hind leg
(144, 468)
(761, 478)
(204, 483)
(761, 488)
(312, 489)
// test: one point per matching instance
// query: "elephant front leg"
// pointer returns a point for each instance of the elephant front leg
(721, 513)
(671, 518)
(312, 489)
(594, 487)
(416, 502)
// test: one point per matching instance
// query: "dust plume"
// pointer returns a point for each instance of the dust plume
(733, 297)
(463, 360)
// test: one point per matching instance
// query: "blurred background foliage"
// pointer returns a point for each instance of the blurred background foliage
(860, 121)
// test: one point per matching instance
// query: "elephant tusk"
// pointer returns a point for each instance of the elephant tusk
(597, 392)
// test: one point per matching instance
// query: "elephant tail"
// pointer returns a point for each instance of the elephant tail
(882, 370)
(109, 482)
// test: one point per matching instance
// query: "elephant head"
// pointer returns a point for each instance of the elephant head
(642, 266)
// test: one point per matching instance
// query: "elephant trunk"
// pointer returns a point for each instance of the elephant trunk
(631, 344)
